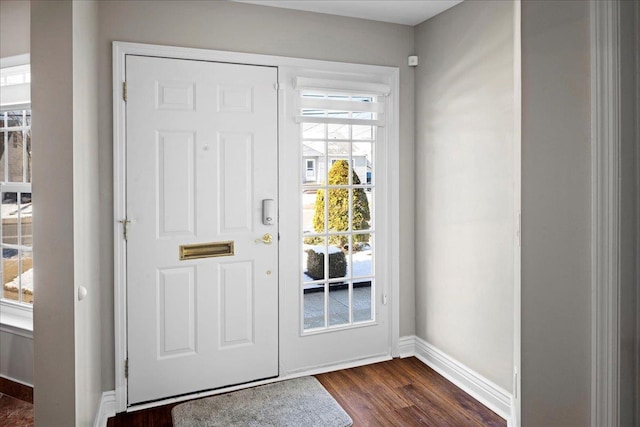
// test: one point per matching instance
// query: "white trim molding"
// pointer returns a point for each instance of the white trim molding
(605, 209)
(106, 409)
(16, 319)
(407, 346)
(477, 386)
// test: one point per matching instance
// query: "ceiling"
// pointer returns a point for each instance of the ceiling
(407, 12)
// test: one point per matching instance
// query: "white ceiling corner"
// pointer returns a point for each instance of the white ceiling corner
(407, 12)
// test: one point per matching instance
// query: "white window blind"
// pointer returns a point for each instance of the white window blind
(340, 102)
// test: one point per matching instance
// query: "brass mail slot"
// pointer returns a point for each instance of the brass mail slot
(206, 250)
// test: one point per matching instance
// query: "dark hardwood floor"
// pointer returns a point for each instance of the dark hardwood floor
(16, 404)
(404, 392)
(400, 392)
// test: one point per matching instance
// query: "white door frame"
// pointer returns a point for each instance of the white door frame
(120, 50)
(606, 141)
(605, 211)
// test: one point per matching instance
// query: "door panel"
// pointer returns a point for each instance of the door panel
(201, 157)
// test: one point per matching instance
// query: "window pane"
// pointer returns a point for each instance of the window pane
(314, 308)
(338, 151)
(361, 263)
(10, 218)
(316, 266)
(313, 211)
(313, 250)
(26, 215)
(362, 133)
(313, 156)
(338, 131)
(362, 301)
(314, 130)
(363, 161)
(361, 217)
(338, 209)
(338, 304)
(14, 119)
(26, 278)
(27, 157)
(3, 151)
(10, 266)
(15, 143)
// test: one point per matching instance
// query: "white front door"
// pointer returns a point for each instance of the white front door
(202, 286)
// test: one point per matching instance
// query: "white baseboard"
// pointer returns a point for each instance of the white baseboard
(407, 346)
(480, 388)
(106, 409)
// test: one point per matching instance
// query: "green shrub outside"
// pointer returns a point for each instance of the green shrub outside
(315, 264)
(339, 206)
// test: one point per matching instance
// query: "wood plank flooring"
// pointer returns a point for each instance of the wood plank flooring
(404, 392)
(16, 404)
(400, 392)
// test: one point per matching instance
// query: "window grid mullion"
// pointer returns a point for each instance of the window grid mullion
(5, 141)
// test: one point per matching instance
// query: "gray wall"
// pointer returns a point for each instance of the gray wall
(53, 314)
(67, 333)
(556, 218)
(254, 29)
(630, 215)
(14, 27)
(16, 357)
(465, 185)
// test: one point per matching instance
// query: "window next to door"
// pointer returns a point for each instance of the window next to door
(338, 136)
(16, 269)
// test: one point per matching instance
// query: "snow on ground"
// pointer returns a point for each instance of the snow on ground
(27, 282)
(10, 210)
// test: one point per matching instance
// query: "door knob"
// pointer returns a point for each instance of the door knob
(267, 239)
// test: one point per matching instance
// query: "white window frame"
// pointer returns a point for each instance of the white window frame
(391, 160)
(16, 318)
(322, 102)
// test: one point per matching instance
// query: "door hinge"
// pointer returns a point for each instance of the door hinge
(126, 368)
(276, 86)
(125, 228)
(124, 91)
(384, 299)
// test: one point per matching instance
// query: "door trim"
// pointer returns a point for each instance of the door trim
(605, 212)
(120, 50)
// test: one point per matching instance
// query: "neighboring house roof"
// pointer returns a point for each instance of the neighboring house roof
(334, 151)
(310, 152)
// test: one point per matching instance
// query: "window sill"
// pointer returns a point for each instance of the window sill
(16, 319)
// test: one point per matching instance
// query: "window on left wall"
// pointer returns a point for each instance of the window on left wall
(16, 197)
